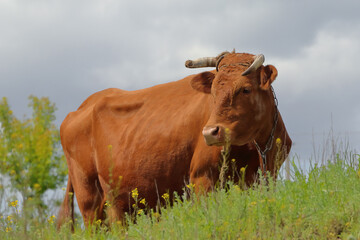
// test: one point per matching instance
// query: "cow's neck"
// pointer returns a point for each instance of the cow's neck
(279, 137)
(268, 134)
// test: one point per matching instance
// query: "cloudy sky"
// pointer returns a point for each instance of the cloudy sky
(67, 50)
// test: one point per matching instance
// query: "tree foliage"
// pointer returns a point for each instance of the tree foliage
(30, 150)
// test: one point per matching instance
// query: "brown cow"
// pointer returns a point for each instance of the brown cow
(153, 139)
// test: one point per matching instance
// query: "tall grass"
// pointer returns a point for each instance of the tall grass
(322, 203)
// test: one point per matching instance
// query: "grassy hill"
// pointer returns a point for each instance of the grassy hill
(322, 204)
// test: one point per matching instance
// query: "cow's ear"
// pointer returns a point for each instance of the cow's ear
(202, 82)
(267, 76)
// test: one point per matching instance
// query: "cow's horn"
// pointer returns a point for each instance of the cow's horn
(258, 61)
(201, 62)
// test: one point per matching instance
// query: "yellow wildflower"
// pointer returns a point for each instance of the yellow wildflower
(140, 212)
(12, 172)
(107, 204)
(135, 193)
(63, 189)
(9, 219)
(233, 160)
(242, 169)
(190, 185)
(109, 147)
(13, 203)
(165, 196)
(278, 141)
(51, 219)
(98, 222)
(253, 203)
(143, 201)
(8, 229)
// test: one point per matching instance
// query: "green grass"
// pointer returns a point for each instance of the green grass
(322, 204)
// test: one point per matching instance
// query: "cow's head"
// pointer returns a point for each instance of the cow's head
(241, 90)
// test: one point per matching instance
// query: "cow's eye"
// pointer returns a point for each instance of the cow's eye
(246, 90)
(242, 91)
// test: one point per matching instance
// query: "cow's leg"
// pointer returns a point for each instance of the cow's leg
(204, 170)
(115, 202)
(89, 196)
(116, 211)
(202, 184)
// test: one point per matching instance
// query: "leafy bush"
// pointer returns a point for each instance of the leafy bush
(30, 151)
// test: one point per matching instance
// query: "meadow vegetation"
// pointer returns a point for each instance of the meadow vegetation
(320, 203)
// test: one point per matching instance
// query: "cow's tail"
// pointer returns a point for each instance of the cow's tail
(66, 213)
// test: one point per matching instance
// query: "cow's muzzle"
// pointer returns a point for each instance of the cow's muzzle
(214, 135)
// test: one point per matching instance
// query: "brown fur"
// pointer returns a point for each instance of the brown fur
(152, 138)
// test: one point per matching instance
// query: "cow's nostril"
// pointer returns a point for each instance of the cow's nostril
(215, 131)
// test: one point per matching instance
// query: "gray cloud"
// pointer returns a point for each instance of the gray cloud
(68, 50)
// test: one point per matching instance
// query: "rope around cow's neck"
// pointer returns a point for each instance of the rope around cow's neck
(270, 140)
